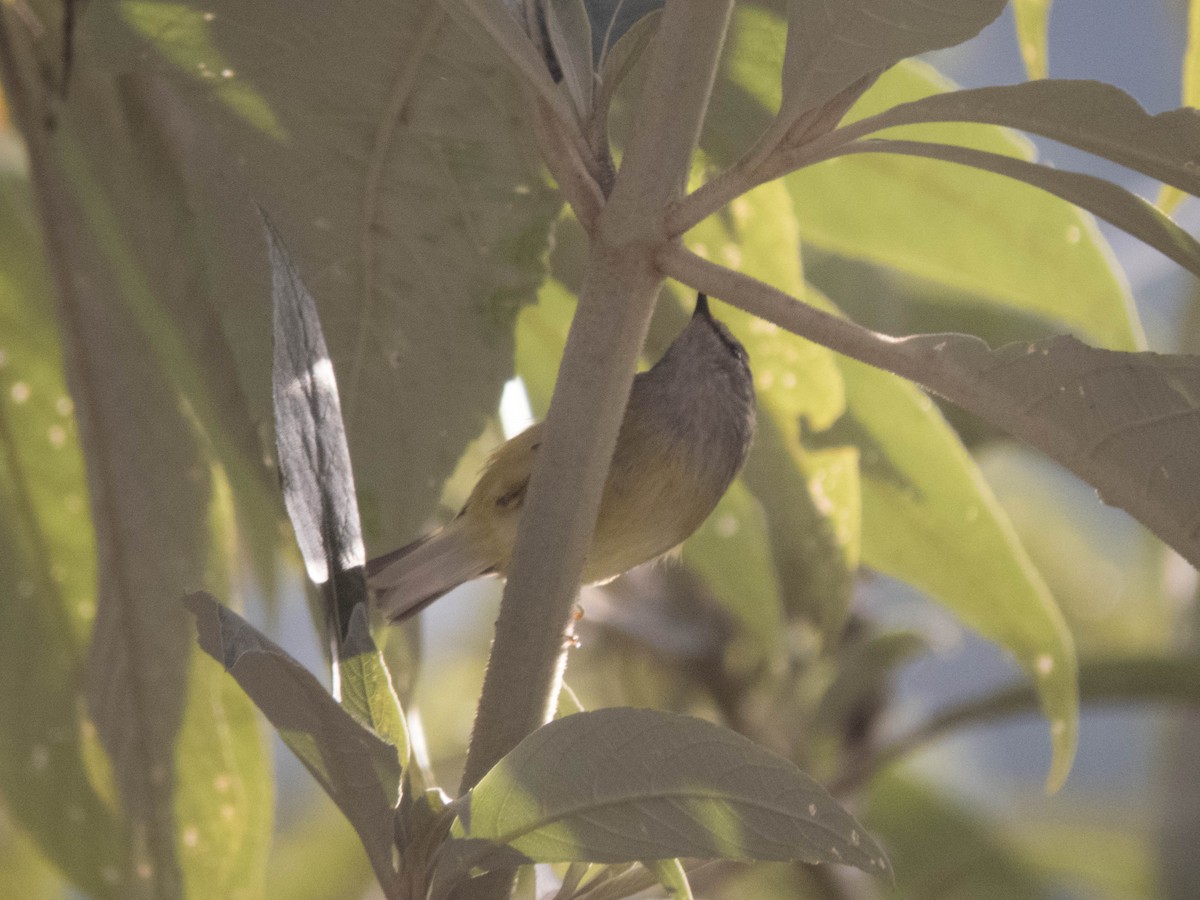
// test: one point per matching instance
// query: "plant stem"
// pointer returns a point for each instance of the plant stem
(620, 286)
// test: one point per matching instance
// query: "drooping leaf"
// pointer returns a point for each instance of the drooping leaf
(405, 187)
(930, 519)
(314, 461)
(831, 46)
(1090, 115)
(1124, 422)
(1103, 198)
(996, 241)
(681, 787)
(358, 770)
(1032, 17)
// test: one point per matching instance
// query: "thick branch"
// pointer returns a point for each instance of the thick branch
(620, 286)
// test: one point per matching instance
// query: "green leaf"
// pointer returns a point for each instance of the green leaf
(1121, 421)
(1031, 19)
(160, 509)
(367, 692)
(951, 846)
(829, 47)
(1000, 242)
(47, 577)
(1170, 197)
(731, 552)
(358, 770)
(1110, 202)
(406, 190)
(931, 520)
(810, 498)
(681, 787)
(671, 875)
(1089, 115)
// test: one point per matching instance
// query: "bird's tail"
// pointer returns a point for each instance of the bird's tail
(407, 580)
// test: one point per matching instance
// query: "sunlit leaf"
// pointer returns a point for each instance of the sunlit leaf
(955, 226)
(1031, 18)
(1110, 202)
(1090, 115)
(671, 875)
(367, 692)
(1170, 197)
(810, 498)
(681, 787)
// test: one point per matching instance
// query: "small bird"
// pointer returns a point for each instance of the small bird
(686, 432)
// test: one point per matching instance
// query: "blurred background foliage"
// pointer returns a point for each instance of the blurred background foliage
(810, 612)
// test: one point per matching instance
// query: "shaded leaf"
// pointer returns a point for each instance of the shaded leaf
(623, 52)
(682, 787)
(161, 512)
(1031, 18)
(47, 578)
(1124, 422)
(570, 34)
(1090, 115)
(358, 770)
(981, 864)
(831, 46)
(314, 461)
(407, 192)
(1103, 198)
(500, 27)
(930, 519)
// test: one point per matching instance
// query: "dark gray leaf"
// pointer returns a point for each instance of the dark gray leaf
(618, 785)
(831, 45)
(356, 769)
(1127, 423)
(314, 461)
